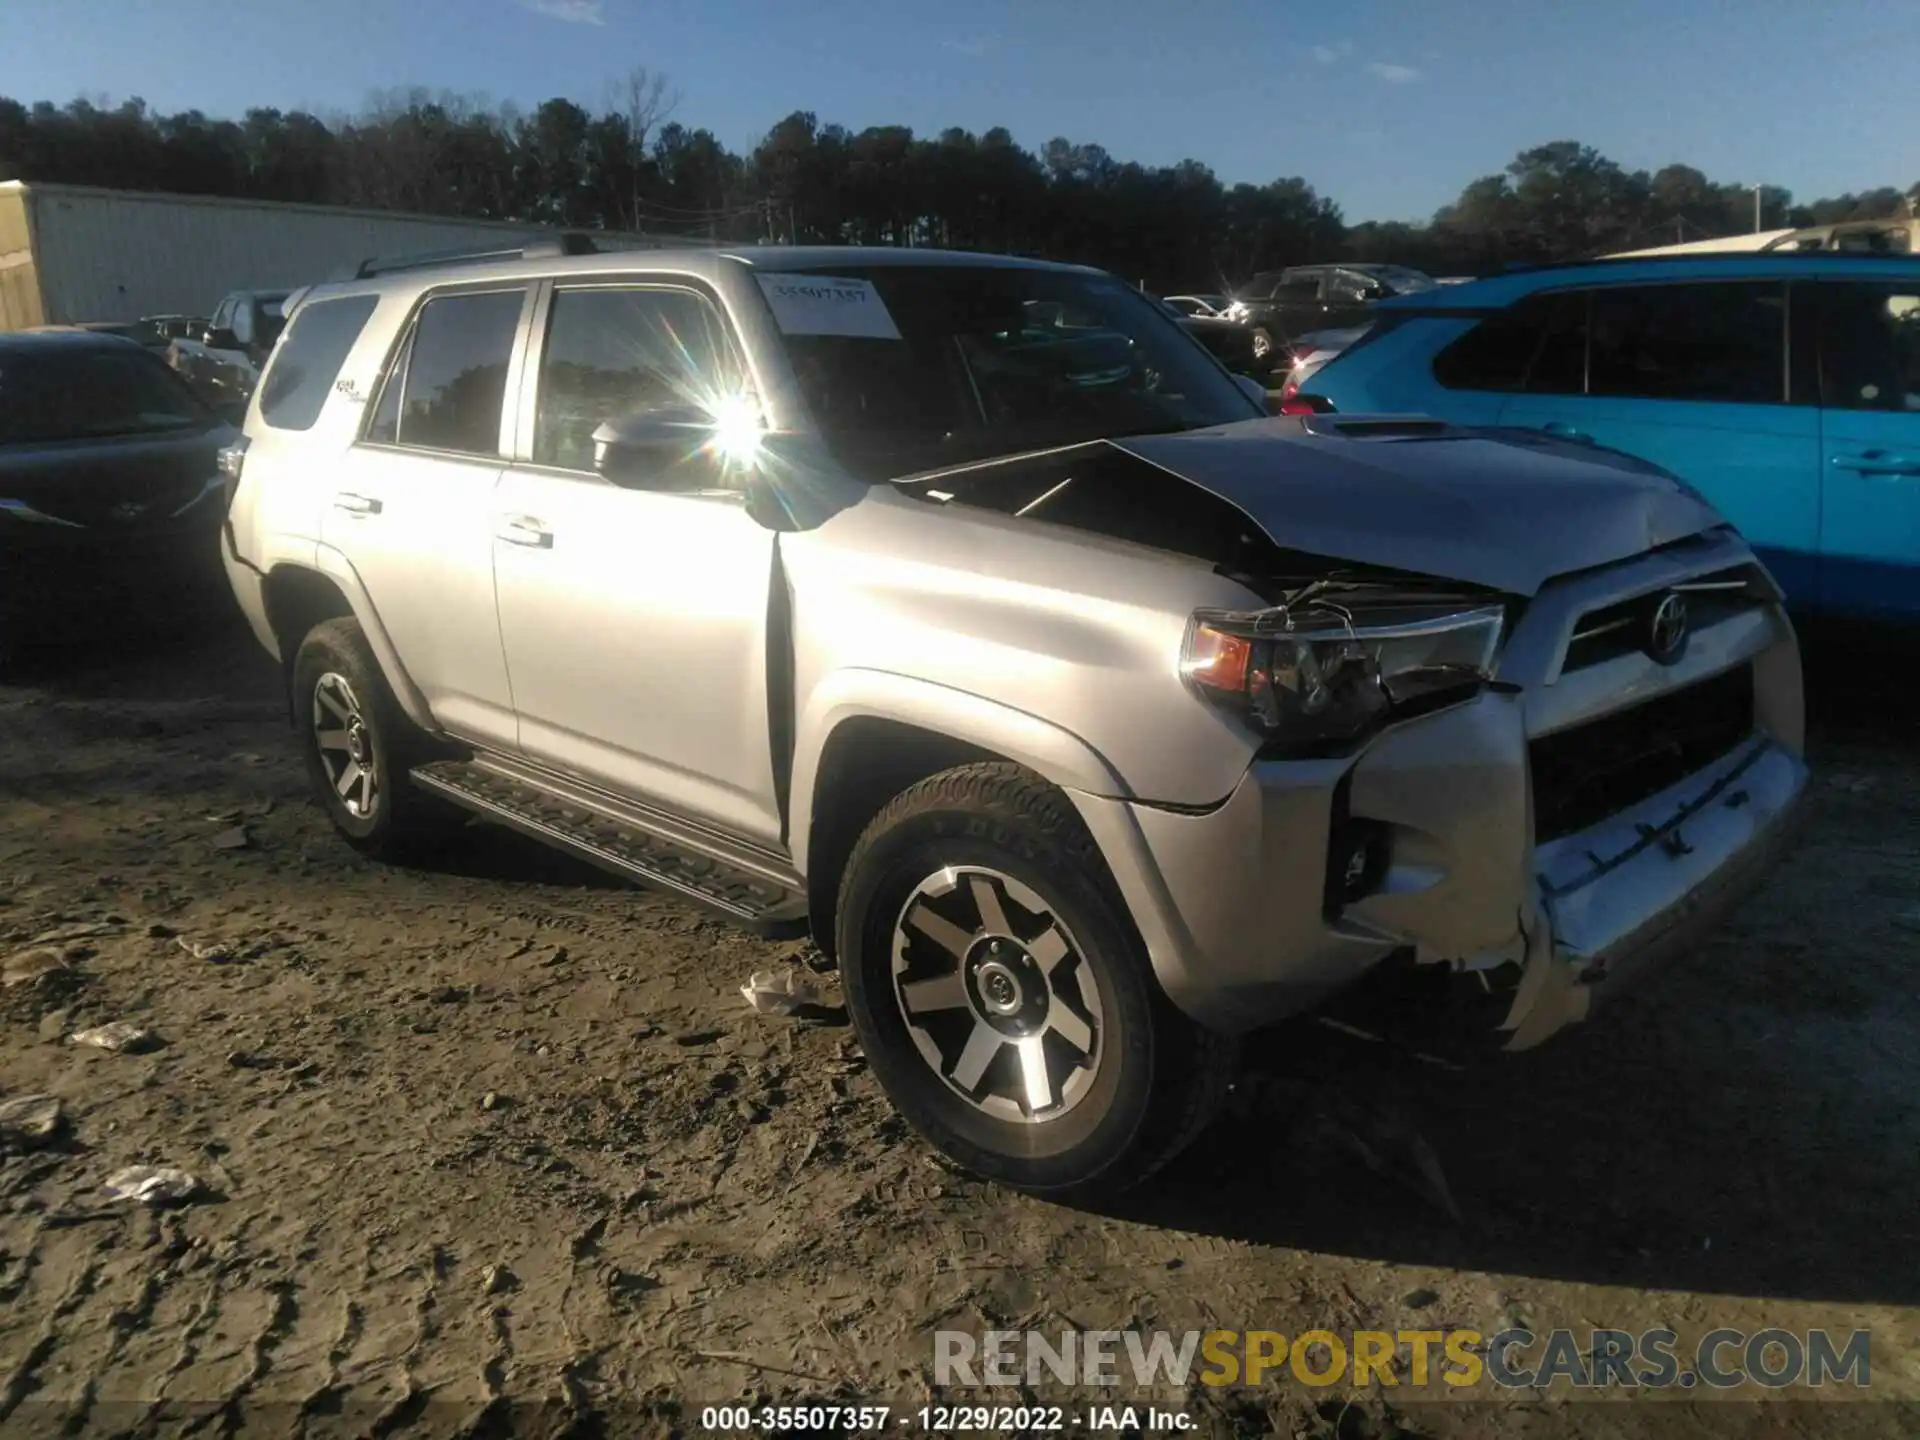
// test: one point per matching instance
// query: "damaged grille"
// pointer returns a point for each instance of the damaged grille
(1587, 773)
(1625, 628)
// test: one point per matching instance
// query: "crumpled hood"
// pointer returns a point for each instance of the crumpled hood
(1505, 509)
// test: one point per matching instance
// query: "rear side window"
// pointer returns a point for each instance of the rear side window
(1496, 353)
(445, 388)
(1719, 341)
(304, 369)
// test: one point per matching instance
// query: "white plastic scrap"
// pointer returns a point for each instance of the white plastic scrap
(152, 1185)
(119, 1036)
(780, 992)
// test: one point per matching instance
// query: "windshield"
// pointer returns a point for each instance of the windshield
(978, 361)
(50, 393)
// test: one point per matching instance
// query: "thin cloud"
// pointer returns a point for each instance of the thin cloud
(573, 12)
(1392, 74)
(973, 49)
(1332, 54)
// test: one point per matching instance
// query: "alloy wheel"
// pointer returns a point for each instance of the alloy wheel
(345, 740)
(997, 995)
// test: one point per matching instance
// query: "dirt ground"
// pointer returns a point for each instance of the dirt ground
(504, 1132)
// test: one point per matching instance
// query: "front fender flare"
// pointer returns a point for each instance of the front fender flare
(1057, 755)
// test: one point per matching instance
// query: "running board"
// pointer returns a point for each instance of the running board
(605, 833)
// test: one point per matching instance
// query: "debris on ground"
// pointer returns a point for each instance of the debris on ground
(780, 992)
(497, 1280)
(30, 965)
(152, 1185)
(122, 1037)
(235, 838)
(215, 952)
(28, 1122)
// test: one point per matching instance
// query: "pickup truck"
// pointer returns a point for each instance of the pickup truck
(965, 613)
(222, 358)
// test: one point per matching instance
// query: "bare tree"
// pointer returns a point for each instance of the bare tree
(643, 101)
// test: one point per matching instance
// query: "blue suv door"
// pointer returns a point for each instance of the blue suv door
(1692, 376)
(1869, 333)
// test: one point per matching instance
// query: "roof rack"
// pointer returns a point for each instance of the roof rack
(534, 247)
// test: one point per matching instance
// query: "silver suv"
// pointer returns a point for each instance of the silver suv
(968, 613)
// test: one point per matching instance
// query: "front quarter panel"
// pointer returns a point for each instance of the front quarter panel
(1051, 646)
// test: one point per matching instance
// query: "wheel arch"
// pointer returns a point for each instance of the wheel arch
(866, 736)
(299, 597)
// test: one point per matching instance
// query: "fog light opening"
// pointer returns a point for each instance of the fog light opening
(1364, 862)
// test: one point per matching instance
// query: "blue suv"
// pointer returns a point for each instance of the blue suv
(1784, 387)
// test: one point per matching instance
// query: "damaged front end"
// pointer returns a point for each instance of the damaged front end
(1479, 740)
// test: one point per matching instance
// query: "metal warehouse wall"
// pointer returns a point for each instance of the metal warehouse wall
(117, 255)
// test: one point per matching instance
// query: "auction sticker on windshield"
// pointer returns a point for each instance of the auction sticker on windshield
(828, 305)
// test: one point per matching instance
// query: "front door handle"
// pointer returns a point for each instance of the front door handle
(356, 504)
(524, 530)
(1877, 462)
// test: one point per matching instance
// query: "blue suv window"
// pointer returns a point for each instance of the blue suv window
(1870, 345)
(1537, 344)
(1722, 341)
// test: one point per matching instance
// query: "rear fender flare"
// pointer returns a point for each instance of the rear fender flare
(337, 568)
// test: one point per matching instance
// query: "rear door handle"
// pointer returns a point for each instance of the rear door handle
(356, 504)
(524, 530)
(1877, 462)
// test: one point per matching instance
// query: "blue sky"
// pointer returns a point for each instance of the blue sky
(1389, 106)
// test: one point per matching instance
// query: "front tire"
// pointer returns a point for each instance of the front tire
(359, 746)
(1262, 344)
(1003, 997)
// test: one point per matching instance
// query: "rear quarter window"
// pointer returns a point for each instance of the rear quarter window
(305, 366)
(1497, 353)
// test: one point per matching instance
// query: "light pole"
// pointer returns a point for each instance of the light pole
(1756, 208)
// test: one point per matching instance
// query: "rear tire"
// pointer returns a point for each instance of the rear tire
(1003, 997)
(359, 746)
(1263, 347)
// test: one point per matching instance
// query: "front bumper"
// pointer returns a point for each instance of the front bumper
(1234, 903)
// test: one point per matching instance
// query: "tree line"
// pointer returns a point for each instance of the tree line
(629, 165)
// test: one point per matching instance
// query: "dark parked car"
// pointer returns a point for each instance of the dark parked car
(1280, 305)
(110, 493)
(155, 332)
(1231, 343)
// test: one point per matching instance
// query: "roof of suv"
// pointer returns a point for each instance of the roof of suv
(1502, 290)
(703, 260)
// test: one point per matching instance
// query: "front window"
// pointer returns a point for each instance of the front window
(971, 362)
(53, 393)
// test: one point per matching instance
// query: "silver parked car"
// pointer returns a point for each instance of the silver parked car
(966, 612)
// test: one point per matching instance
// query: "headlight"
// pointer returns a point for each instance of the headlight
(1321, 675)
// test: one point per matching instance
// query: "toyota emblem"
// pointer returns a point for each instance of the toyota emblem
(1667, 633)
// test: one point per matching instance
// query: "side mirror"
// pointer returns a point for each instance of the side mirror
(664, 448)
